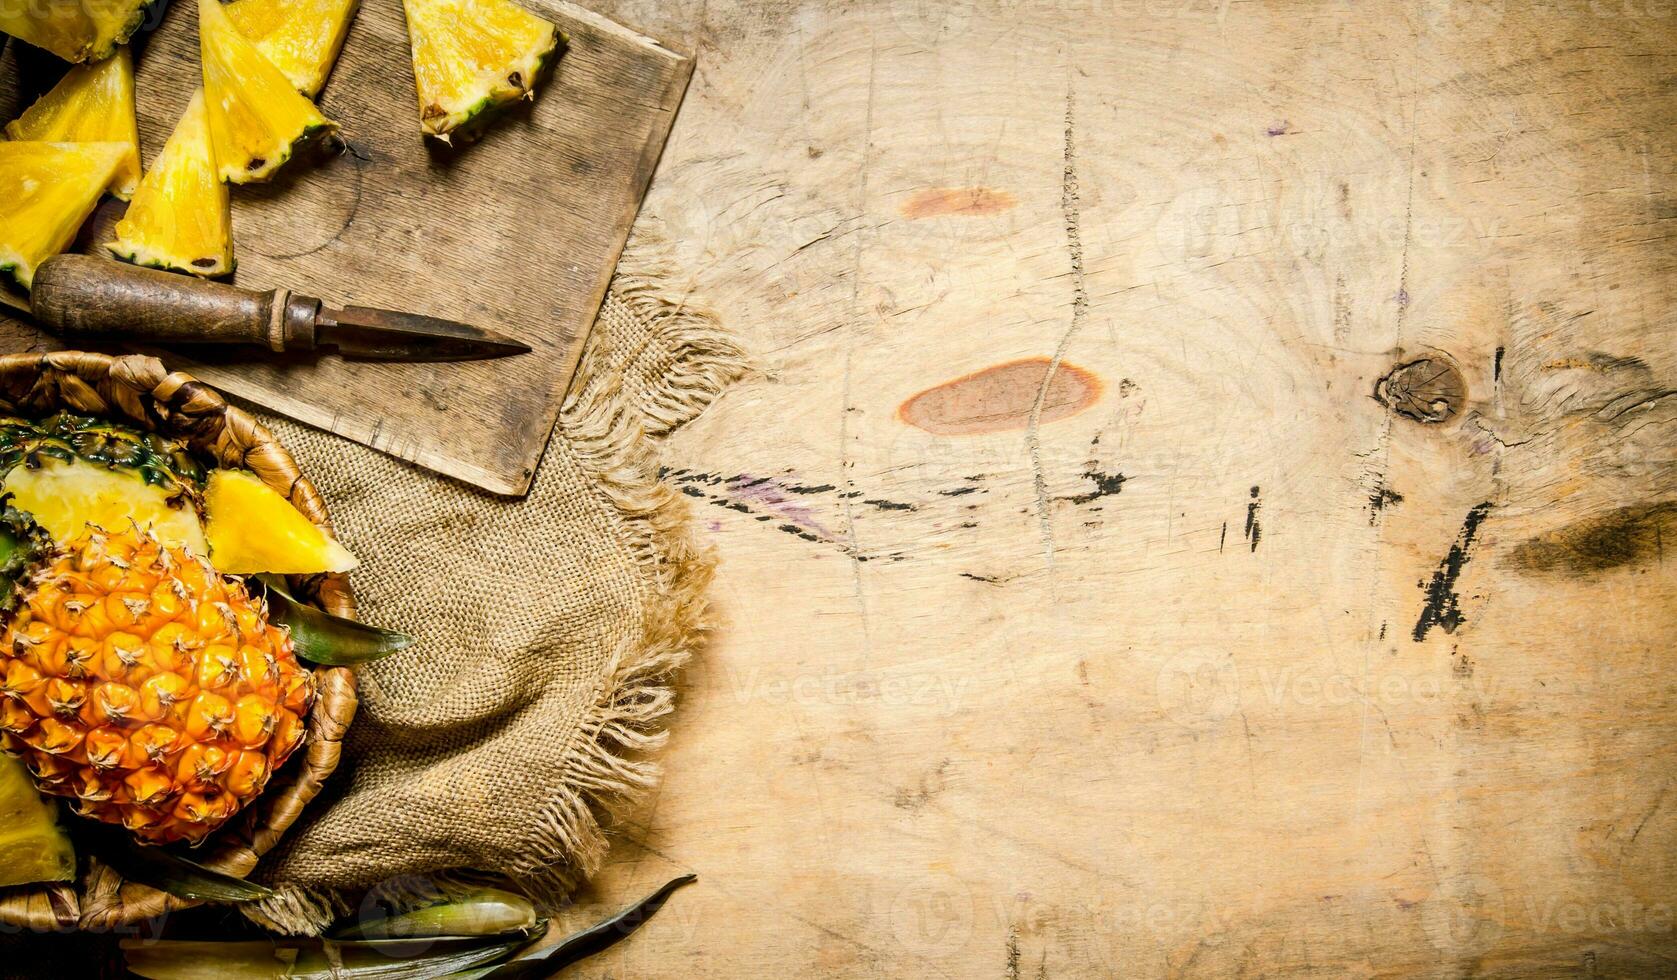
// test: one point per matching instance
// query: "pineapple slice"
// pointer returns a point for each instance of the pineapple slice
(254, 529)
(471, 56)
(301, 37)
(92, 103)
(257, 118)
(75, 30)
(181, 218)
(33, 847)
(46, 191)
(64, 497)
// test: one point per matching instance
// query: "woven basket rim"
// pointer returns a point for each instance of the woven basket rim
(137, 389)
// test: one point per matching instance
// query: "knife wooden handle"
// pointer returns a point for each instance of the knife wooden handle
(84, 296)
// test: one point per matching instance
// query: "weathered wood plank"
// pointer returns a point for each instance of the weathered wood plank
(983, 708)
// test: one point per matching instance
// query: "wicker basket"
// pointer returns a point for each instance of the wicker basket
(138, 390)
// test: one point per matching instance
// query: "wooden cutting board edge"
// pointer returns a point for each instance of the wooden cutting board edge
(369, 433)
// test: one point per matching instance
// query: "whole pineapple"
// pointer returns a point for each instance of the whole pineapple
(141, 683)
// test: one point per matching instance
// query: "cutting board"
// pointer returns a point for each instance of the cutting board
(517, 233)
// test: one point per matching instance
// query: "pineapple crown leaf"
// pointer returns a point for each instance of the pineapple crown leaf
(68, 437)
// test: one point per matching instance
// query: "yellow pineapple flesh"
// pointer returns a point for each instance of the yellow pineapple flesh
(92, 103)
(46, 191)
(33, 847)
(65, 497)
(301, 37)
(181, 218)
(473, 56)
(148, 688)
(75, 30)
(252, 528)
(257, 118)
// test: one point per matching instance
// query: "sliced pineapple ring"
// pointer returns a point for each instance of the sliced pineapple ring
(46, 191)
(254, 529)
(257, 118)
(181, 218)
(471, 56)
(301, 37)
(75, 30)
(64, 497)
(33, 847)
(92, 103)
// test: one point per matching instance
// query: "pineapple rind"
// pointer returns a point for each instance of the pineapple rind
(66, 436)
(189, 697)
(92, 103)
(257, 119)
(468, 123)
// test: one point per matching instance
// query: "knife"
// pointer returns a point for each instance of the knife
(82, 296)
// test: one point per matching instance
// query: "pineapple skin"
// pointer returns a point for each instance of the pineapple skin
(147, 688)
(68, 437)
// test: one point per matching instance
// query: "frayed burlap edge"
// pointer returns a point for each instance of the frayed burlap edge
(614, 434)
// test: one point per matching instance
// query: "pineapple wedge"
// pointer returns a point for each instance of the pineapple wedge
(46, 191)
(75, 30)
(257, 118)
(301, 37)
(181, 218)
(92, 103)
(472, 56)
(33, 847)
(251, 528)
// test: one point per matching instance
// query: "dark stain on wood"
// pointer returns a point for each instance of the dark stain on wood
(1254, 527)
(1616, 538)
(1379, 500)
(1106, 485)
(974, 201)
(1443, 605)
(889, 504)
(1430, 389)
(1001, 397)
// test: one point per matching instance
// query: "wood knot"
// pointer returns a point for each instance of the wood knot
(1427, 390)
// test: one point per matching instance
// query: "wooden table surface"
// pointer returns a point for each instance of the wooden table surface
(1270, 581)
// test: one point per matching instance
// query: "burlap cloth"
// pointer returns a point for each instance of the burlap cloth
(548, 629)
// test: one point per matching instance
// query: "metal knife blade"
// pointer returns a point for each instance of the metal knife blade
(363, 332)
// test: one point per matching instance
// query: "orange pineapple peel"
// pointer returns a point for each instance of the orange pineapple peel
(147, 687)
